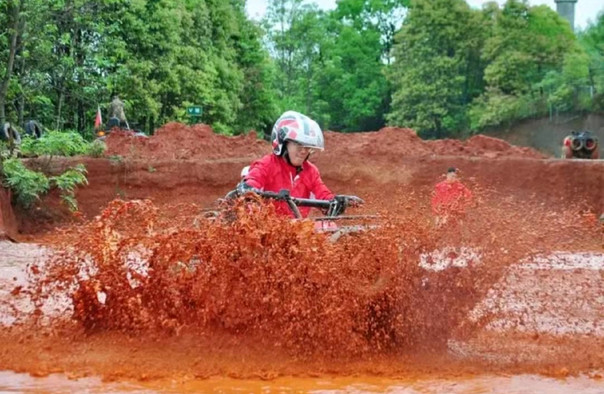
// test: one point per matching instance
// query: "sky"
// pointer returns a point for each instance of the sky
(585, 10)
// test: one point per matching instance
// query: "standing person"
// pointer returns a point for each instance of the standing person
(295, 137)
(116, 111)
(450, 199)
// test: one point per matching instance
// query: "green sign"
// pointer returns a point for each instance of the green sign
(194, 110)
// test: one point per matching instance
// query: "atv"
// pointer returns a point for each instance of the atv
(328, 223)
(10, 137)
(115, 123)
(580, 145)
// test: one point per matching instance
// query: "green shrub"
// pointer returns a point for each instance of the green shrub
(67, 182)
(56, 143)
(97, 148)
(27, 185)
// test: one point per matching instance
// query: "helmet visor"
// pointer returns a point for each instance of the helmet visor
(303, 147)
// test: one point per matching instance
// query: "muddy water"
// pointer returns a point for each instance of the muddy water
(149, 307)
(13, 382)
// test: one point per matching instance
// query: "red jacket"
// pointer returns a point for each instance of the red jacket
(273, 173)
(450, 198)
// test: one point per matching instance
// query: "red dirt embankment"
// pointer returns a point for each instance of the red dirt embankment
(177, 141)
(208, 166)
(186, 164)
(8, 222)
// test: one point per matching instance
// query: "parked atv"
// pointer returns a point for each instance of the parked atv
(580, 145)
(114, 123)
(11, 138)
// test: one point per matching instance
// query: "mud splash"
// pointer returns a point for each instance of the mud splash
(148, 296)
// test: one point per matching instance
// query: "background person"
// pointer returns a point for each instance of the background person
(450, 198)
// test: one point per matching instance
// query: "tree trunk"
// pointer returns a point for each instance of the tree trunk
(58, 123)
(21, 110)
(21, 104)
(13, 15)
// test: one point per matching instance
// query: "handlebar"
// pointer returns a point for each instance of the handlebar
(334, 207)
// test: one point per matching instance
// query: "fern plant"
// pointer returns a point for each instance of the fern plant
(27, 185)
(67, 182)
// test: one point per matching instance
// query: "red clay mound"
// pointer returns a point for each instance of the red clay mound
(481, 145)
(387, 141)
(391, 141)
(178, 141)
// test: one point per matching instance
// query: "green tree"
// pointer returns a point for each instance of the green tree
(437, 70)
(12, 21)
(331, 65)
(526, 49)
(592, 41)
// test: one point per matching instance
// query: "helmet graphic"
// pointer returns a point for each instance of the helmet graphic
(294, 126)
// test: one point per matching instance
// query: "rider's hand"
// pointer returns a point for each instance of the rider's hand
(354, 201)
(340, 202)
(243, 188)
(350, 201)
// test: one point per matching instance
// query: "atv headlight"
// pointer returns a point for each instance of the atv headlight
(590, 144)
(576, 143)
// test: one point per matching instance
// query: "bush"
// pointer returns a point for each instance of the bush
(97, 148)
(27, 185)
(67, 182)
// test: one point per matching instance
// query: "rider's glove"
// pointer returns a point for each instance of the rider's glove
(241, 189)
(340, 202)
(353, 201)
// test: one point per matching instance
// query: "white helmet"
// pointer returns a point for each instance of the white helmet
(294, 126)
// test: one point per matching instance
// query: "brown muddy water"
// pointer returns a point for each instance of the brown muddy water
(13, 382)
(511, 299)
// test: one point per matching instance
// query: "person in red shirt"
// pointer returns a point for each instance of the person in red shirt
(295, 137)
(450, 198)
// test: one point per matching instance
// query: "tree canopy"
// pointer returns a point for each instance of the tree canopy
(438, 66)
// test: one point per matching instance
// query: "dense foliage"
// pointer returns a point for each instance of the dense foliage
(435, 65)
(30, 182)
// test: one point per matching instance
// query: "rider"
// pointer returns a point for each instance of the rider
(295, 137)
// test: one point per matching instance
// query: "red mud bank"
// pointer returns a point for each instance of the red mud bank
(182, 164)
(8, 222)
(175, 141)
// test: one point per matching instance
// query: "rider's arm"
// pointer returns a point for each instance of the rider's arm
(318, 188)
(258, 175)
